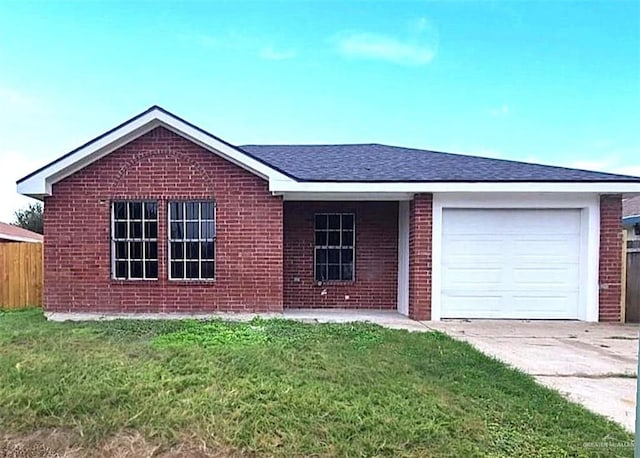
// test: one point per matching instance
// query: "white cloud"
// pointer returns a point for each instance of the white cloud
(240, 41)
(501, 111)
(15, 166)
(387, 48)
(270, 53)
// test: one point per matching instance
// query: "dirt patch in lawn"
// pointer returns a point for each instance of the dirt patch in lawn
(64, 444)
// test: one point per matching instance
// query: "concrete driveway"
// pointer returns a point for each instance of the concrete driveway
(593, 364)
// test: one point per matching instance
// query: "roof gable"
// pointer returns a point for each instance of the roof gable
(39, 182)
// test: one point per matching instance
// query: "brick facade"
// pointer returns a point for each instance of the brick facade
(376, 262)
(162, 166)
(264, 246)
(610, 257)
(420, 265)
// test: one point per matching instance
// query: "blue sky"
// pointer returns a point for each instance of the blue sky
(552, 82)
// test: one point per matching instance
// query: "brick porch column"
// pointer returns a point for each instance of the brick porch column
(610, 270)
(420, 224)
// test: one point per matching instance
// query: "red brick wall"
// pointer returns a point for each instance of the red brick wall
(162, 166)
(420, 231)
(610, 256)
(376, 266)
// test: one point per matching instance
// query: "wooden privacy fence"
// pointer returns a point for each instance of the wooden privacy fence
(631, 281)
(20, 275)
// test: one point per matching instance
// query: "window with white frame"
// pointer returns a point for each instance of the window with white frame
(192, 236)
(134, 240)
(334, 246)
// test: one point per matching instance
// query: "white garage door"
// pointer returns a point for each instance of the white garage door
(510, 263)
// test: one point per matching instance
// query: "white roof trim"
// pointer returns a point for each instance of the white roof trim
(40, 183)
(402, 188)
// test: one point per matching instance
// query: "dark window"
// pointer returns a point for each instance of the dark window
(334, 246)
(134, 240)
(192, 238)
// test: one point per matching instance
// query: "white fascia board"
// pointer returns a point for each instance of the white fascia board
(40, 184)
(360, 196)
(432, 187)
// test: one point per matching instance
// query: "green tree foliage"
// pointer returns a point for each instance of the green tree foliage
(30, 218)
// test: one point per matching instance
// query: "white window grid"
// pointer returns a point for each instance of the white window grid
(186, 239)
(341, 247)
(143, 239)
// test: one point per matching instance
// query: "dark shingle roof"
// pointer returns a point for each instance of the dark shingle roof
(374, 162)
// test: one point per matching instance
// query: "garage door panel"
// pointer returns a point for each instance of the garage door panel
(473, 305)
(476, 245)
(545, 277)
(546, 246)
(511, 263)
(471, 276)
(551, 306)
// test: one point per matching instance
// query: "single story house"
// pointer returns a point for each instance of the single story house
(11, 234)
(158, 215)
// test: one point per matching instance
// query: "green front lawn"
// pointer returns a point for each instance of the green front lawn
(275, 387)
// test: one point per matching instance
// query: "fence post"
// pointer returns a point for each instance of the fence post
(623, 280)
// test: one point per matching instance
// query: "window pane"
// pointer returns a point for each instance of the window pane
(135, 210)
(347, 255)
(208, 230)
(177, 269)
(135, 230)
(151, 269)
(321, 221)
(321, 255)
(347, 272)
(151, 250)
(334, 238)
(347, 238)
(120, 210)
(192, 250)
(206, 250)
(177, 250)
(120, 231)
(136, 269)
(192, 269)
(191, 210)
(150, 210)
(135, 250)
(334, 272)
(177, 231)
(121, 250)
(321, 238)
(333, 256)
(192, 231)
(121, 269)
(151, 230)
(207, 210)
(321, 272)
(207, 269)
(175, 211)
(334, 221)
(347, 222)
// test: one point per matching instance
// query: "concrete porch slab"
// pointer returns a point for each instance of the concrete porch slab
(387, 318)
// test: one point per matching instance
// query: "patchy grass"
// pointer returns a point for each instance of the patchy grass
(277, 388)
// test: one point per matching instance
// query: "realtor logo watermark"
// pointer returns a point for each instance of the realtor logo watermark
(608, 442)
